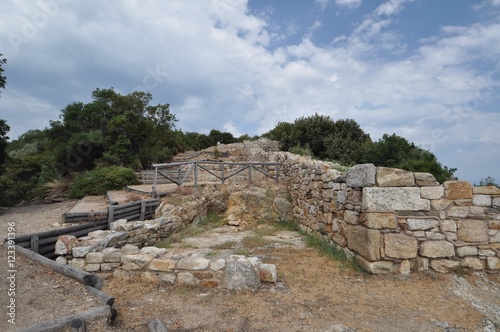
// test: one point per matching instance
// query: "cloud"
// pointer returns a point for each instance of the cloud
(348, 3)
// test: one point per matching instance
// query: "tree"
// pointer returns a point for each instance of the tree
(3, 79)
(4, 129)
(347, 142)
(488, 181)
(396, 151)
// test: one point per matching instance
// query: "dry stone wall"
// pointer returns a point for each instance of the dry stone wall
(396, 221)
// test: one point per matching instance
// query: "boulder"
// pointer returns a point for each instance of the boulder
(394, 177)
(425, 179)
(362, 175)
(241, 275)
(437, 249)
(400, 246)
(473, 230)
(364, 241)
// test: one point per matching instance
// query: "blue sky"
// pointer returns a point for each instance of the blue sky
(427, 70)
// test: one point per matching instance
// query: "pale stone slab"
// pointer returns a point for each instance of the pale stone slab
(136, 261)
(432, 192)
(400, 246)
(473, 262)
(481, 200)
(448, 225)
(364, 241)
(458, 212)
(361, 176)
(92, 267)
(457, 190)
(379, 220)
(467, 251)
(440, 204)
(421, 224)
(186, 278)
(195, 262)
(94, 258)
(379, 267)
(267, 272)
(437, 249)
(496, 202)
(493, 263)
(425, 179)
(82, 251)
(393, 199)
(443, 265)
(473, 230)
(240, 275)
(351, 217)
(217, 265)
(486, 190)
(162, 265)
(394, 177)
(155, 251)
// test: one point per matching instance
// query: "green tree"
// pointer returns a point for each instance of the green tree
(4, 129)
(3, 79)
(488, 181)
(347, 142)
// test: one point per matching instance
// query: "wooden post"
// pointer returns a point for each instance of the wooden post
(179, 175)
(250, 173)
(153, 191)
(195, 174)
(277, 170)
(143, 210)
(111, 215)
(222, 164)
(34, 243)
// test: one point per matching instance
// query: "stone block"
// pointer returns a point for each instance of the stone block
(400, 246)
(186, 278)
(135, 261)
(114, 257)
(434, 236)
(218, 264)
(82, 251)
(443, 265)
(106, 267)
(476, 211)
(473, 230)
(448, 225)
(425, 179)
(467, 251)
(486, 190)
(241, 275)
(267, 272)
(92, 267)
(493, 263)
(418, 224)
(481, 200)
(487, 253)
(364, 241)
(457, 190)
(351, 217)
(379, 267)
(421, 264)
(440, 204)
(458, 212)
(361, 176)
(437, 249)
(194, 262)
(162, 265)
(130, 249)
(79, 263)
(432, 192)
(474, 263)
(496, 202)
(94, 258)
(394, 177)
(379, 220)
(117, 226)
(155, 251)
(168, 279)
(65, 244)
(494, 236)
(62, 260)
(394, 199)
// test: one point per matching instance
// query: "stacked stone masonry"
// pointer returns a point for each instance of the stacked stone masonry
(396, 221)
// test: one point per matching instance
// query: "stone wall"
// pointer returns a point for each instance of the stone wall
(395, 221)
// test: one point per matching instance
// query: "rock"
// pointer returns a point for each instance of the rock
(425, 179)
(432, 192)
(130, 249)
(364, 241)
(448, 225)
(195, 262)
(393, 199)
(82, 251)
(474, 263)
(437, 249)
(421, 224)
(156, 252)
(400, 246)
(267, 272)
(351, 217)
(150, 278)
(440, 204)
(162, 265)
(135, 261)
(186, 278)
(493, 263)
(65, 244)
(117, 226)
(481, 200)
(79, 263)
(379, 267)
(339, 328)
(394, 177)
(486, 190)
(473, 230)
(217, 265)
(467, 251)
(61, 260)
(443, 265)
(379, 220)
(282, 209)
(92, 267)
(362, 175)
(457, 190)
(94, 258)
(241, 275)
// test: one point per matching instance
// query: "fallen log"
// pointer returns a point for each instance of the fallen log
(77, 325)
(105, 298)
(85, 278)
(156, 325)
(104, 312)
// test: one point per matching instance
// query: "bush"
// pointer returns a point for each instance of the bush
(99, 180)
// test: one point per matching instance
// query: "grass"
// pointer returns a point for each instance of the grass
(253, 241)
(224, 245)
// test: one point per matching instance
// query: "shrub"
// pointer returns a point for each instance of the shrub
(99, 180)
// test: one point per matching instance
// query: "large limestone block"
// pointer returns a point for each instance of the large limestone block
(136, 261)
(379, 220)
(481, 200)
(400, 246)
(437, 249)
(394, 199)
(394, 177)
(473, 230)
(162, 265)
(417, 224)
(486, 190)
(364, 241)
(443, 265)
(361, 176)
(457, 190)
(194, 262)
(425, 179)
(380, 267)
(432, 192)
(241, 275)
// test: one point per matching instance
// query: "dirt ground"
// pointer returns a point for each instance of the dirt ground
(313, 293)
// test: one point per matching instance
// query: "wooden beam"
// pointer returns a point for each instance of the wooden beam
(105, 298)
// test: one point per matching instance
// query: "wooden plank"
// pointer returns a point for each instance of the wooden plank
(103, 297)
(59, 231)
(34, 243)
(104, 312)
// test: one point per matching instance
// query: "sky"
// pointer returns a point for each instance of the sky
(426, 70)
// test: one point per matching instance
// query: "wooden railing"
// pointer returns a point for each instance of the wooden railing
(180, 172)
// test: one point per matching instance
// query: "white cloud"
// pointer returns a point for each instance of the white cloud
(348, 3)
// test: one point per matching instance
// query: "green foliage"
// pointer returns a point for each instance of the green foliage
(4, 129)
(100, 180)
(488, 181)
(301, 151)
(3, 79)
(347, 142)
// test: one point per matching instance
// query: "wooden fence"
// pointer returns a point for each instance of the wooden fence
(44, 243)
(180, 172)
